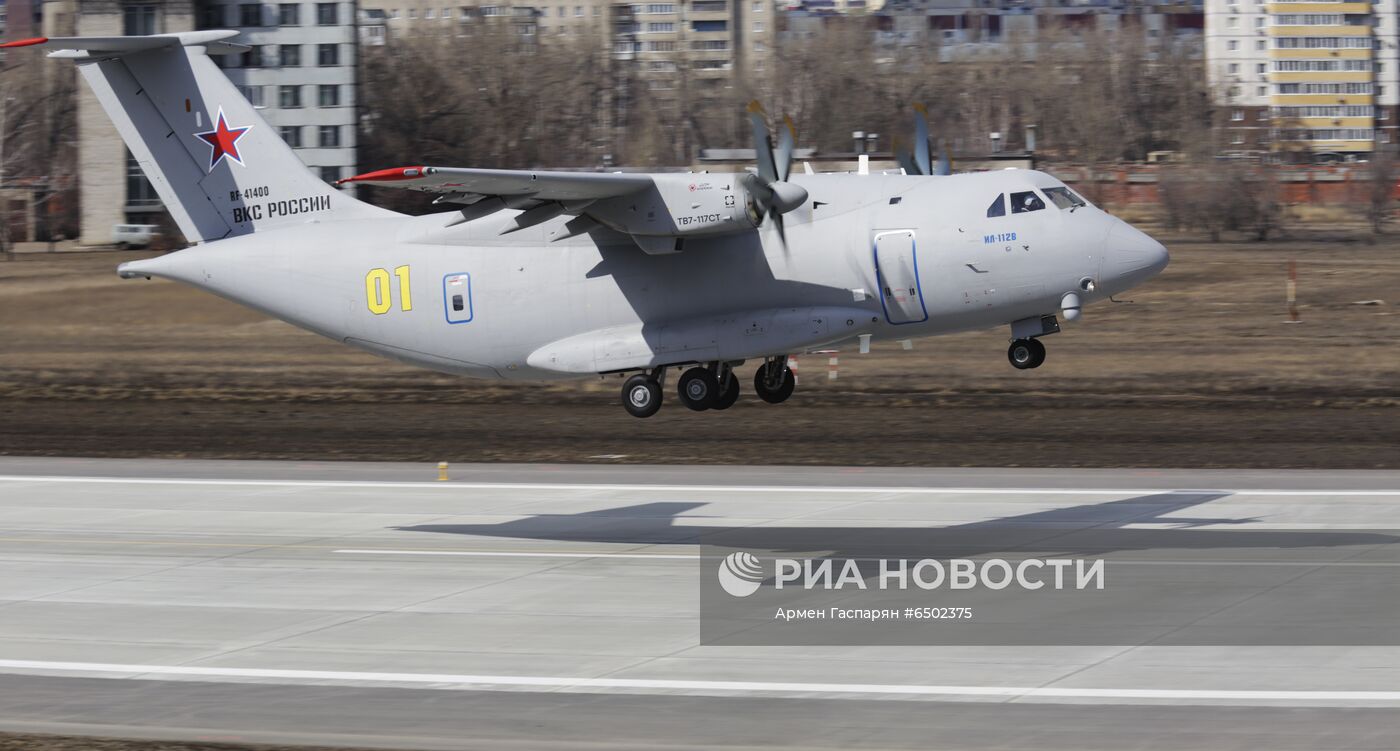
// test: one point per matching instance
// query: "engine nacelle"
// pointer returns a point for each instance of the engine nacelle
(682, 205)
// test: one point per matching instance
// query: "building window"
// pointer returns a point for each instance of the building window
(290, 55)
(1232, 45)
(1259, 22)
(1262, 91)
(328, 95)
(138, 20)
(329, 174)
(1234, 68)
(1237, 139)
(1260, 68)
(327, 55)
(330, 136)
(288, 97)
(250, 14)
(758, 27)
(326, 14)
(757, 6)
(709, 6)
(1232, 23)
(709, 25)
(289, 14)
(1260, 45)
(291, 134)
(254, 94)
(430, 13)
(1384, 136)
(253, 57)
(212, 16)
(1382, 114)
(1237, 115)
(139, 191)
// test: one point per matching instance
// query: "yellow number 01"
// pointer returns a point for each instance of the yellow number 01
(377, 290)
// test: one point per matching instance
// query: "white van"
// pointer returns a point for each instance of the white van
(134, 235)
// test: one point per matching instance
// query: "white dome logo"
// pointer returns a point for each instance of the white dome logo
(740, 574)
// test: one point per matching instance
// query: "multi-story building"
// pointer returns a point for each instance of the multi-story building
(1315, 77)
(299, 70)
(961, 29)
(705, 41)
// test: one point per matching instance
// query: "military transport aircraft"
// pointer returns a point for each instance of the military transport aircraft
(553, 274)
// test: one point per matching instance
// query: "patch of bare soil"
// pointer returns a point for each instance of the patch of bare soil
(1200, 370)
(25, 742)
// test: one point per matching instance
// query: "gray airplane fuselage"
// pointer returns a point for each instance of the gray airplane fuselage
(885, 255)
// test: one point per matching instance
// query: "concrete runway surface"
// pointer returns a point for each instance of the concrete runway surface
(370, 605)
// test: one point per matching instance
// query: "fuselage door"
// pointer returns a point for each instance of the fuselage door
(896, 264)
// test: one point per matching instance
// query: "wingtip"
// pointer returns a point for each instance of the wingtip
(386, 175)
(25, 42)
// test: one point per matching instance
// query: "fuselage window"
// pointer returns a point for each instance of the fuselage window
(1027, 201)
(998, 208)
(1064, 198)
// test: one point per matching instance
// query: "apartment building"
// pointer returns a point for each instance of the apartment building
(300, 71)
(1316, 77)
(711, 40)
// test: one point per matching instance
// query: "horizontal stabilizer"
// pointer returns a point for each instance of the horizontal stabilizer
(213, 39)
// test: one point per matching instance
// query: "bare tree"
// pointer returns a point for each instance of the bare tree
(1382, 198)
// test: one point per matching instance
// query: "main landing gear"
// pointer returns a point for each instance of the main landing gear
(641, 394)
(704, 387)
(774, 380)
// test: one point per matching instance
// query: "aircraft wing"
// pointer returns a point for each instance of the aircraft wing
(658, 210)
(519, 184)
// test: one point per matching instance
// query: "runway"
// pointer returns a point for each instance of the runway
(556, 606)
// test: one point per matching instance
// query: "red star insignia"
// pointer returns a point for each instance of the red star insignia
(223, 141)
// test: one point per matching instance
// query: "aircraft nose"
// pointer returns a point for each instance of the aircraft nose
(1132, 256)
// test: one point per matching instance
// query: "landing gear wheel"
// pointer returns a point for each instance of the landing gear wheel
(698, 389)
(729, 394)
(777, 393)
(641, 395)
(1025, 354)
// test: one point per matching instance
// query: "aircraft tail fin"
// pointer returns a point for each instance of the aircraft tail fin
(219, 168)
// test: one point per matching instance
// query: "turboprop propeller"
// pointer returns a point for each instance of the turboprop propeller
(770, 189)
(920, 162)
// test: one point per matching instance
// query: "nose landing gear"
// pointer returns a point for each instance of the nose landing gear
(1025, 354)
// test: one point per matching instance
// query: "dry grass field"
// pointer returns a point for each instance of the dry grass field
(1200, 370)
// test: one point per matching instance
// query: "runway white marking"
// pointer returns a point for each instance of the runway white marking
(515, 554)
(697, 557)
(643, 685)
(868, 489)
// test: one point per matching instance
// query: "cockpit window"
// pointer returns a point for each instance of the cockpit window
(1027, 201)
(998, 208)
(1064, 198)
